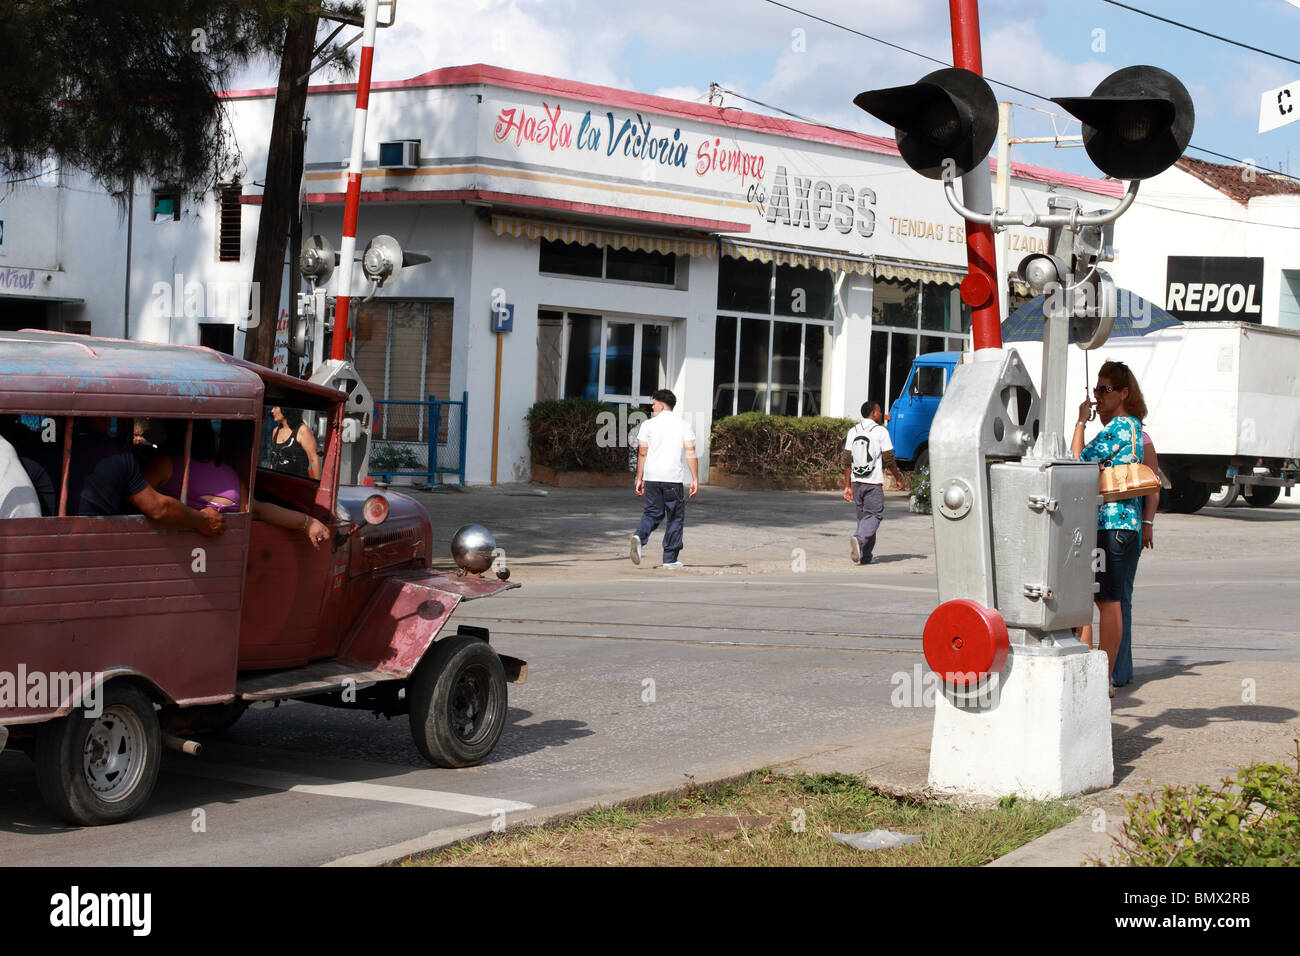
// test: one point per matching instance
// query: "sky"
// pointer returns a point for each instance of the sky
(789, 61)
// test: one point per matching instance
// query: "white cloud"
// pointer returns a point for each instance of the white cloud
(692, 94)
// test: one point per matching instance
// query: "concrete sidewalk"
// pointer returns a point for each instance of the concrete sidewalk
(1186, 725)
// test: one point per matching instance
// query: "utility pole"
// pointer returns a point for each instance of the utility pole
(280, 197)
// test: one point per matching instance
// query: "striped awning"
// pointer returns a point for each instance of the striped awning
(795, 257)
(588, 236)
(917, 272)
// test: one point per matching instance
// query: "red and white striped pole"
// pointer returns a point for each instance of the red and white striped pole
(353, 201)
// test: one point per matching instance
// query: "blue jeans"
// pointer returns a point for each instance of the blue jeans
(664, 498)
(1122, 550)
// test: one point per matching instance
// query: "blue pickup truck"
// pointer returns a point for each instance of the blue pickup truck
(913, 411)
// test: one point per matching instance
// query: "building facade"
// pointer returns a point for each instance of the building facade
(747, 263)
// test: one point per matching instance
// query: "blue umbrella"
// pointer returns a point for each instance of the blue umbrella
(1136, 316)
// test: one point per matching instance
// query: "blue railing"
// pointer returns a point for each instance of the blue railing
(420, 439)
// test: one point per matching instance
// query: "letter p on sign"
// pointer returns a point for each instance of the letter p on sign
(1279, 107)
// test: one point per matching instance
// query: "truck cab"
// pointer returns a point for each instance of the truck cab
(913, 411)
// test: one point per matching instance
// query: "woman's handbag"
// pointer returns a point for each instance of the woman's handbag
(1128, 481)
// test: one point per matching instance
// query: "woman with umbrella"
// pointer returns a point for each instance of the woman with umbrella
(1121, 408)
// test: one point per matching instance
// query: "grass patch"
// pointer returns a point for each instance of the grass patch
(767, 819)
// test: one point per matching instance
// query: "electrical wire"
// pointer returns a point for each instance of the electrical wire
(1204, 33)
(926, 56)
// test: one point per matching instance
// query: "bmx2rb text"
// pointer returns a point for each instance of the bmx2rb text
(180, 632)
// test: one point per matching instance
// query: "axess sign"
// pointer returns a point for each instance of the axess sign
(1214, 289)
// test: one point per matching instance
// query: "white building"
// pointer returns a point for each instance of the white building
(1213, 242)
(745, 262)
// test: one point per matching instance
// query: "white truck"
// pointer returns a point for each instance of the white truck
(1223, 402)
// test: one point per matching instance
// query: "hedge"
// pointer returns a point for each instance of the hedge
(563, 433)
(779, 446)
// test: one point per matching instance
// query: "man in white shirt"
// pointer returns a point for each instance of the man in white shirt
(661, 444)
(18, 497)
(868, 451)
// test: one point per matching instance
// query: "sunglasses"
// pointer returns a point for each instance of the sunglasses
(1104, 389)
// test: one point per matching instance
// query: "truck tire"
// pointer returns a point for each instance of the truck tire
(1223, 496)
(1188, 496)
(922, 459)
(96, 770)
(458, 702)
(1261, 496)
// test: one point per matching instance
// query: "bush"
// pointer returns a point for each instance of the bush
(1253, 820)
(392, 456)
(778, 446)
(921, 490)
(574, 434)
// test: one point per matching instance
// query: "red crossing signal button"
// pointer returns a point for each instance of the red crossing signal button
(964, 641)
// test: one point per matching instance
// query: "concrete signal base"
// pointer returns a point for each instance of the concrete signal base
(1041, 731)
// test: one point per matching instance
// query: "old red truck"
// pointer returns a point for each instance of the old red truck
(119, 636)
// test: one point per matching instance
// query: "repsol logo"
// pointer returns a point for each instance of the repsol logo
(1235, 297)
(803, 201)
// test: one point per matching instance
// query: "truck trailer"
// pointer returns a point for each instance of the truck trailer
(1223, 402)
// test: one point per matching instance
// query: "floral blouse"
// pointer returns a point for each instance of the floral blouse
(1114, 446)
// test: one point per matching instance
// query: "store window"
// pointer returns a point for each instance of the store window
(770, 357)
(402, 351)
(600, 262)
(607, 358)
(911, 319)
(769, 365)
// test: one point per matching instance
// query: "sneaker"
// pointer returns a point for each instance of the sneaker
(673, 564)
(855, 550)
(634, 550)
(1112, 690)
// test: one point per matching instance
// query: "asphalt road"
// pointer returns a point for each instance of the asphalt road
(770, 644)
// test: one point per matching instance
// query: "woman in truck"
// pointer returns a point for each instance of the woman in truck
(215, 481)
(1120, 408)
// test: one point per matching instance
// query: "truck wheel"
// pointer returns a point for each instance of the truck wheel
(101, 769)
(1261, 496)
(1223, 496)
(922, 459)
(458, 702)
(1187, 496)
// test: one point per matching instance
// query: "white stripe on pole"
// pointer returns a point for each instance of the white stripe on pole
(348, 248)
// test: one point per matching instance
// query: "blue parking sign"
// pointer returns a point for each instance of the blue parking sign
(503, 317)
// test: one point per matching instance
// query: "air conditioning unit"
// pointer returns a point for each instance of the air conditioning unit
(400, 154)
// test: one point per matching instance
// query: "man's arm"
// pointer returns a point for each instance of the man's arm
(170, 513)
(693, 463)
(846, 459)
(887, 459)
(641, 449)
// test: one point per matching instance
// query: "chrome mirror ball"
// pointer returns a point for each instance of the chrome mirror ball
(472, 548)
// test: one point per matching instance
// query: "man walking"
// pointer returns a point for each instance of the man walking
(661, 443)
(867, 451)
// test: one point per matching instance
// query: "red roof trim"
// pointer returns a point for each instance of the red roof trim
(515, 199)
(481, 74)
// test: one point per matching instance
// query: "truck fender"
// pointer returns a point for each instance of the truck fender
(405, 615)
